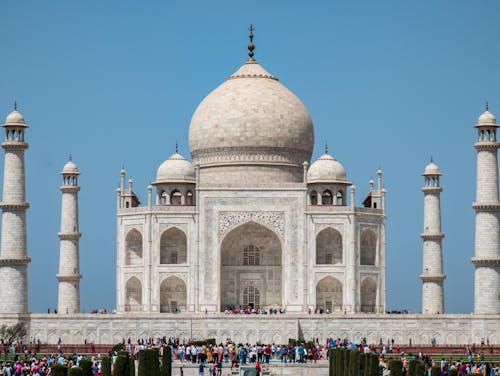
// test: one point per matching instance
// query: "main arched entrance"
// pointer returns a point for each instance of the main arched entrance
(250, 272)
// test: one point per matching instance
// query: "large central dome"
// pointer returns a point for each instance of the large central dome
(251, 128)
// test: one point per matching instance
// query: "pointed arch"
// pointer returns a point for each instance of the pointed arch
(133, 295)
(328, 247)
(314, 198)
(329, 294)
(368, 295)
(251, 259)
(176, 197)
(368, 247)
(173, 295)
(327, 197)
(133, 248)
(173, 246)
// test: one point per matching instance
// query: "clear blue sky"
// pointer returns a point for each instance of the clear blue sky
(387, 83)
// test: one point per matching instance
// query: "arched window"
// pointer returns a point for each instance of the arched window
(173, 247)
(368, 295)
(340, 198)
(133, 295)
(368, 247)
(133, 248)
(173, 295)
(329, 247)
(175, 197)
(163, 198)
(314, 198)
(327, 198)
(251, 296)
(189, 198)
(251, 255)
(329, 294)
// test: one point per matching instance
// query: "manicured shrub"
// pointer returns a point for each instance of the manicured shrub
(86, 366)
(106, 366)
(166, 361)
(131, 366)
(58, 370)
(374, 365)
(75, 371)
(420, 369)
(436, 371)
(453, 372)
(353, 363)
(340, 367)
(118, 347)
(121, 366)
(331, 362)
(412, 364)
(149, 364)
(396, 367)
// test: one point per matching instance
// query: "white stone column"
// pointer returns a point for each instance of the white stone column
(432, 276)
(69, 265)
(14, 258)
(350, 254)
(487, 206)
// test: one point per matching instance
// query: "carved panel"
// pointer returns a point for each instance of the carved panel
(230, 219)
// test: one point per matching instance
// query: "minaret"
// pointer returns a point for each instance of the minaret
(432, 277)
(69, 267)
(487, 244)
(14, 258)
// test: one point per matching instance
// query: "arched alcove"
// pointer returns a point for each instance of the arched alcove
(133, 295)
(173, 295)
(368, 295)
(173, 247)
(133, 248)
(329, 247)
(368, 247)
(251, 259)
(329, 295)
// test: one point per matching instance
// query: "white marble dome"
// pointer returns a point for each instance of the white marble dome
(432, 169)
(326, 169)
(251, 118)
(14, 118)
(70, 168)
(176, 169)
(487, 118)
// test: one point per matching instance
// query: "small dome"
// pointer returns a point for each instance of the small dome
(326, 169)
(15, 118)
(70, 168)
(431, 169)
(487, 118)
(176, 169)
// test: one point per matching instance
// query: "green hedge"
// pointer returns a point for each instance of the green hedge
(166, 361)
(75, 371)
(331, 362)
(58, 370)
(420, 369)
(453, 372)
(121, 366)
(131, 366)
(86, 366)
(149, 362)
(436, 371)
(396, 367)
(106, 366)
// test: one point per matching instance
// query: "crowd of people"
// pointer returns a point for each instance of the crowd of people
(212, 356)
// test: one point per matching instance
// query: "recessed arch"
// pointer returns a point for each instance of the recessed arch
(133, 248)
(329, 294)
(133, 295)
(175, 197)
(314, 198)
(251, 256)
(329, 247)
(173, 247)
(368, 247)
(368, 294)
(173, 295)
(327, 197)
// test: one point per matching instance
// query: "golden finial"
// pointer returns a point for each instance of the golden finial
(251, 46)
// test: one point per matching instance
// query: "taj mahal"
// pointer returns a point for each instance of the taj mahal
(252, 223)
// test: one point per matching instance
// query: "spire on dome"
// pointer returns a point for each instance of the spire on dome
(431, 159)
(15, 105)
(70, 157)
(487, 107)
(326, 147)
(176, 147)
(251, 46)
